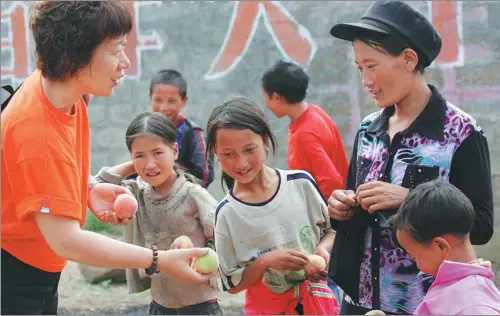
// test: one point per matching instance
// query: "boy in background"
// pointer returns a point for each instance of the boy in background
(314, 142)
(168, 95)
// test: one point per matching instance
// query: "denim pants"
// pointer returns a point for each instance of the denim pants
(336, 290)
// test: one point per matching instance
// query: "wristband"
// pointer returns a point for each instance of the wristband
(154, 265)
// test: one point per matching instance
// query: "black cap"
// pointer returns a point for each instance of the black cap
(395, 17)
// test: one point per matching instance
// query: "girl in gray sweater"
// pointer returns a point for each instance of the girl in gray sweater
(170, 203)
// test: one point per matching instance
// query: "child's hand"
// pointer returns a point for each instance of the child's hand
(315, 273)
(282, 260)
(322, 252)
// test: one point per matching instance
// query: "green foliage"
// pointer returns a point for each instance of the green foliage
(93, 224)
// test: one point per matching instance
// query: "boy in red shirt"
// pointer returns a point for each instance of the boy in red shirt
(314, 142)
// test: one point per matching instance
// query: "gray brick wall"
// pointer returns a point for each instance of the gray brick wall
(189, 35)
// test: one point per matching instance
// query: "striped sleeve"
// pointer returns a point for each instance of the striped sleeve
(231, 273)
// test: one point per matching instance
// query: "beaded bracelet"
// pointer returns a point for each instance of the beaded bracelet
(154, 265)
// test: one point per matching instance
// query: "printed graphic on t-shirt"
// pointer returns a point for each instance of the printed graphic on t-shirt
(281, 281)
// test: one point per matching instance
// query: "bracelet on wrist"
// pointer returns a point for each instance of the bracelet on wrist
(154, 265)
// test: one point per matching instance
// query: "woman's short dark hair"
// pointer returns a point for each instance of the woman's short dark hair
(393, 45)
(67, 33)
(434, 209)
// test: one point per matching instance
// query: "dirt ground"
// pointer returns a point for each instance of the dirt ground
(78, 297)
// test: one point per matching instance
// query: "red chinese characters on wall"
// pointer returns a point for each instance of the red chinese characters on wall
(447, 18)
(292, 39)
(296, 43)
(138, 42)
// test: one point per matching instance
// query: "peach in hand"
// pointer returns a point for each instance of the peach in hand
(125, 206)
(314, 264)
(182, 242)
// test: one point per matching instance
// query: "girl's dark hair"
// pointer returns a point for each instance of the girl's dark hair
(393, 45)
(155, 124)
(237, 113)
(67, 33)
(434, 209)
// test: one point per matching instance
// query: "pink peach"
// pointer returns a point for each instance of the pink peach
(125, 206)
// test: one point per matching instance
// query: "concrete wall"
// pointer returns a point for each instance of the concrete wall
(223, 47)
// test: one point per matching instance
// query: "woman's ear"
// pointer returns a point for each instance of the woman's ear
(410, 59)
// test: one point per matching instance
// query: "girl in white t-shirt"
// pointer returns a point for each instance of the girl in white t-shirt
(269, 221)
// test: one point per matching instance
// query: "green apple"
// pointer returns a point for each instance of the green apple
(207, 264)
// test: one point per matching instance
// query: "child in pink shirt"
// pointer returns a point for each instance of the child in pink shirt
(433, 226)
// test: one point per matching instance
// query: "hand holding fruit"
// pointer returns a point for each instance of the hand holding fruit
(125, 206)
(206, 264)
(101, 199)
(282, 260)
(315, 268)
(176, 265)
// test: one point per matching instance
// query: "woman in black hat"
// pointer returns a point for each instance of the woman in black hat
(416, 137)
